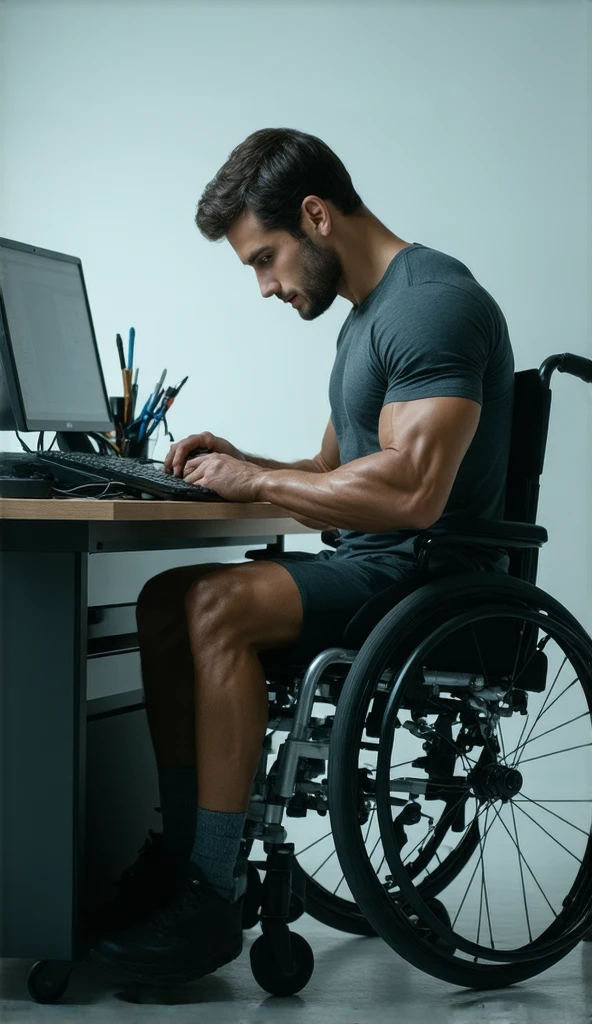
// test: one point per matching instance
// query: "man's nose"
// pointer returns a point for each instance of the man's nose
(271, 288)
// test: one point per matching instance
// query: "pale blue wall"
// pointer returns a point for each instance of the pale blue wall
(465, 126)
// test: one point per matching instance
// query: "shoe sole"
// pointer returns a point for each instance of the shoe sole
(146, 972)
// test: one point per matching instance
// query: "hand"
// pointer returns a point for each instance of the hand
(231, 478)
(182, 450)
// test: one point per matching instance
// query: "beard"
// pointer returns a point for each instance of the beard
(322, 272)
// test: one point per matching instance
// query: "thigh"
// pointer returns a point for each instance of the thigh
(255, 603)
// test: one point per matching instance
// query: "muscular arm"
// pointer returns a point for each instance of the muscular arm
(326, 461)
(404, 486)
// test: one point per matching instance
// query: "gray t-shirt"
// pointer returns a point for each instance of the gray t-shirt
(427, 329)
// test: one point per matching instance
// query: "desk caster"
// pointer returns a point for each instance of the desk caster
(47, 980)
(268, 973)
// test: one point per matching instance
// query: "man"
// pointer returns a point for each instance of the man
(421, 402)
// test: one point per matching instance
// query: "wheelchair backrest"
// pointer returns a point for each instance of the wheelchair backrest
(530, 425)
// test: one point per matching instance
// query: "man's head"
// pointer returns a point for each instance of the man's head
(278, 200)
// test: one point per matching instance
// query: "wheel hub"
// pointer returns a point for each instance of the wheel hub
(497, 782)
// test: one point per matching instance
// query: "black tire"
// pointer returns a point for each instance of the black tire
(417, 616)
(47, 980)
(266, 971)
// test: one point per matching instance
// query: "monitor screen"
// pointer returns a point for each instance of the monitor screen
(47, 343)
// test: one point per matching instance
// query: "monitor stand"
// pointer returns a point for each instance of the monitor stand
(74, 441)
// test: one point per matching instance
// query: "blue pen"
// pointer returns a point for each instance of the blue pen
(130, 347)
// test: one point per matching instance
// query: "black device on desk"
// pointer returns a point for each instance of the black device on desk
(21, 477)
(51, 379)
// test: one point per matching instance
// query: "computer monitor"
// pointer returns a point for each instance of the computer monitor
(50, 371)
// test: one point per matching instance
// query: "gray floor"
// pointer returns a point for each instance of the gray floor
(356, 981)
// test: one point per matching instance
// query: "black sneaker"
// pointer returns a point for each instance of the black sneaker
(193, 934)
(143, 887)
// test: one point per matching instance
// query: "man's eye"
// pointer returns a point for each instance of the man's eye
(264, 260)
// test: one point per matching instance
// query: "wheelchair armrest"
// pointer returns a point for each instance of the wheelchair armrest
(492, 533)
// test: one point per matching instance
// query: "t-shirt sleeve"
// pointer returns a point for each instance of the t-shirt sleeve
(436, 345)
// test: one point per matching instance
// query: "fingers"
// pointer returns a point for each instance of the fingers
(181, 450)
(192, 464)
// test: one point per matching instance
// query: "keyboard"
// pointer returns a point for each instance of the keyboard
(147, 477)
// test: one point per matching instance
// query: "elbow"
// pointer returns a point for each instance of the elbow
(424, 515)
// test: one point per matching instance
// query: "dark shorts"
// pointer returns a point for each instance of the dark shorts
(334, 588)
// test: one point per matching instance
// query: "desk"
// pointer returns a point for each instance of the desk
(44, 549)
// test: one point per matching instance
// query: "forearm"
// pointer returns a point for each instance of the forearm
(372, 495)
(302, 465)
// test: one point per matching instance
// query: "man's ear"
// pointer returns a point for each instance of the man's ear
(317, 215)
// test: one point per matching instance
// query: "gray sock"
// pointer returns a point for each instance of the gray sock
(178, 803)
(217, 842)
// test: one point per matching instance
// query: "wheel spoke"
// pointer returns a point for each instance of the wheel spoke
(565, 800)
(547, 833)
(310, 846)
(585, 714)
(566, 750)
(566, 820)
(524, 900)
(527, 719)
(483, 892)
(545, 703)
(527, 865)
(476, 868)
(322, 865)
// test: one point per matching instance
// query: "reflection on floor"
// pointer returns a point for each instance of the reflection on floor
(356, 981)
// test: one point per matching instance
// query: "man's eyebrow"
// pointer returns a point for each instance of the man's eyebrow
(255, 254)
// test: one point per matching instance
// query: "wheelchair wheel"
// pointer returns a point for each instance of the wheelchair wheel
(433, 853)
(471, 665)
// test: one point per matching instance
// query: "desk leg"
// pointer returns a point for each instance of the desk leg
(43, 731)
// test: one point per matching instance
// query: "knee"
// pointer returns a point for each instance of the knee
(217, 604)
(158, 596)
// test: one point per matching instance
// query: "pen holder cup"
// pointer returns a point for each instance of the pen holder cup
(133, 449)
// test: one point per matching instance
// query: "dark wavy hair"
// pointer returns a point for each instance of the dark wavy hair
(270, 174)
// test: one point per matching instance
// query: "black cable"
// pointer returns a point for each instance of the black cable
(40, 441)
(24, 446)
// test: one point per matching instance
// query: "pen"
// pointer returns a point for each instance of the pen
(157, 391)
(130, 347)
(134, 393)
(127, 393)
(120, 351)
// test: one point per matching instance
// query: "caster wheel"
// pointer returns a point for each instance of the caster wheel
(252, 900)
(47, 980)
(266, 971)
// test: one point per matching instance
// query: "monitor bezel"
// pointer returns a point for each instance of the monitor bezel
(19, 410)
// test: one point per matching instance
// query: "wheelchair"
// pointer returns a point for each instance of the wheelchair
(448, 775)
